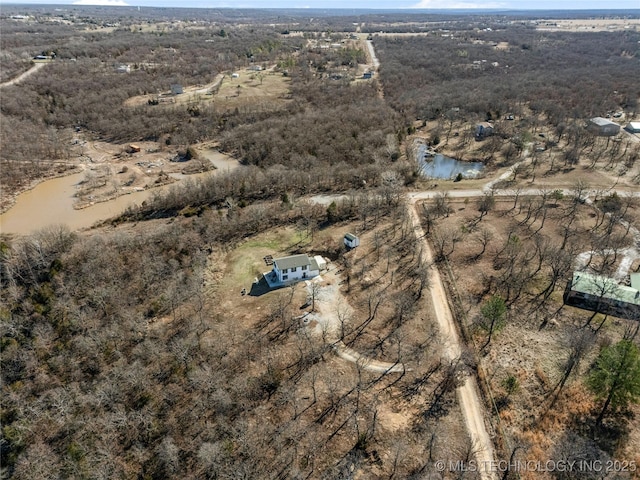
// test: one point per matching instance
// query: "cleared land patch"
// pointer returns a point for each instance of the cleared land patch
(250, 89)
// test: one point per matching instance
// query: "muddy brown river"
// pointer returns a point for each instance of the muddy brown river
(51, 202)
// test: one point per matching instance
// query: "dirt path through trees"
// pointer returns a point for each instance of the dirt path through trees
(372, 55)
(374, 65)
(24, 75)
(468, 395)
(332, 310)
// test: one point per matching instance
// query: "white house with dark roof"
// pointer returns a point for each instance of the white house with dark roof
(292, 269)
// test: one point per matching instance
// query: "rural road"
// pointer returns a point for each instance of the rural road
(24, 75)
(372, 54)
(528, 192)
(468, 397)
(468, 394)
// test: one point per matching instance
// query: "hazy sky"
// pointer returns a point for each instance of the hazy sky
(364, 4)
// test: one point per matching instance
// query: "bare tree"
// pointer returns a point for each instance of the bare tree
(485, 204)
(483, 236)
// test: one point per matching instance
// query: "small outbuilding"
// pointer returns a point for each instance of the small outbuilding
(603, 127)
(633, 127)
(351, 241)
(321, 262)
(483, 130)
(176, 89)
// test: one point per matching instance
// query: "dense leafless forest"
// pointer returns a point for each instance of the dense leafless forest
(566, 76)
(128, 350)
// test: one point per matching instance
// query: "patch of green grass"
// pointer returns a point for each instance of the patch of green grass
(246, 262)
(278, 241)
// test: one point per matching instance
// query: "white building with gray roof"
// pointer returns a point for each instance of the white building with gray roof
(291, 269)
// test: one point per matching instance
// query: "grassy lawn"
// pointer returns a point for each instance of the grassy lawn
(264, 89)
(246, 262)
(251, 88)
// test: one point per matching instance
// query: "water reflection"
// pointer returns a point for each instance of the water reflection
(439, 166)
(51, 202)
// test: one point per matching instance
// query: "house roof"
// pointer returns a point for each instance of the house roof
(351, 237)
(635, 126)
(292, 261)
(484, 125)
(601, 122)
(604, 287)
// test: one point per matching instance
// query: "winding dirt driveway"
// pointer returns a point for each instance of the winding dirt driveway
(24, 75)
(332, 308)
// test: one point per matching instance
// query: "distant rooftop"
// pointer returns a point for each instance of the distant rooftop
(601, 121)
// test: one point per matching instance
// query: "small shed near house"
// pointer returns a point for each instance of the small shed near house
(603, 127)
(351, 241)
(633, 127)
(367, 75)
(133, 148)
(176, 89)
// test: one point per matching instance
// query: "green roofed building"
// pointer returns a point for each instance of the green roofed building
(603, 294)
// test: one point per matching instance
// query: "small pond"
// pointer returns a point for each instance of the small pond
(439, 166)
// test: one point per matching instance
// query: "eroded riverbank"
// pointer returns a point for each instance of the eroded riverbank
(53, 201)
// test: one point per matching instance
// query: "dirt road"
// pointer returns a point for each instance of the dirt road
(372, 55)
(472, 409)
(24, 75)
(374, 65)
